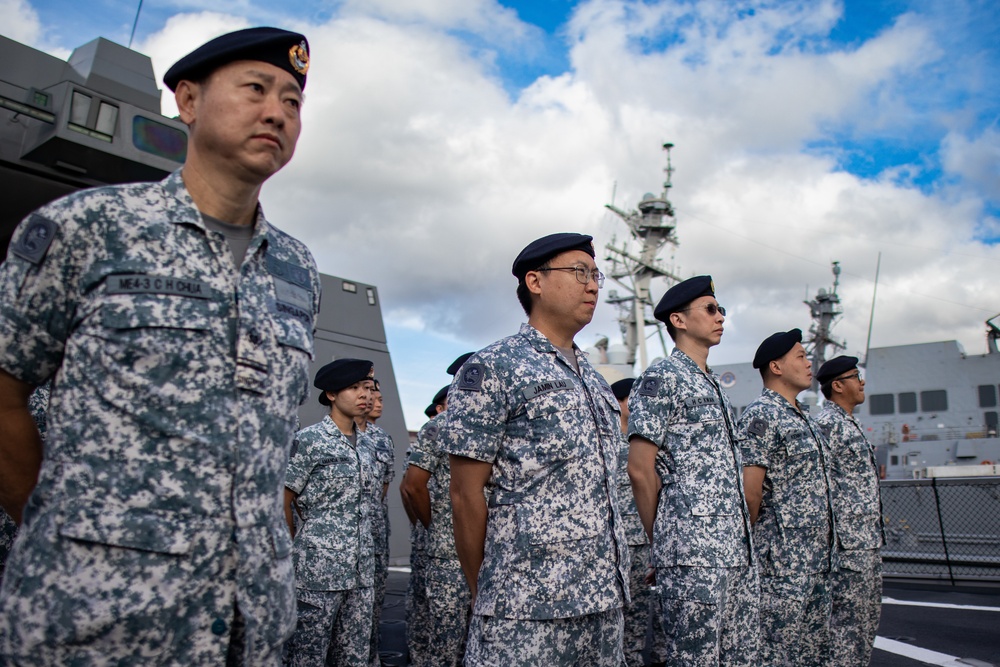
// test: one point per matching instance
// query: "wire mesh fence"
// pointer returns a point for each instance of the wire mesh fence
(942, 529)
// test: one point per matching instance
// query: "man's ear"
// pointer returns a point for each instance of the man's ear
(532, 282)
(186, 95)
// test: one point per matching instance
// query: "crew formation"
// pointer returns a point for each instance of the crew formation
(556, 520)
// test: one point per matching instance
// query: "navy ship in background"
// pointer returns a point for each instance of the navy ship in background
(95, 120)
(931, 408)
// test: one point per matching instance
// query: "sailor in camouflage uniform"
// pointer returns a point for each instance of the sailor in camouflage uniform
(787, 485)
(38, 406)
(856, 587)
(687, 475)
(643, 606)
(330, 484)
(418, 614)
(427, 486)
(532, 423)
(179, 356)
(384, 454)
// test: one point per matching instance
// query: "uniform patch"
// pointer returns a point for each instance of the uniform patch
(472, 377)
(697, 401)
(293, 311)
(757, 427)
(649, 387)
(293, 273)
(431, 431)
(135, 283)
(293, 294)
(544, 388)
(36, 239)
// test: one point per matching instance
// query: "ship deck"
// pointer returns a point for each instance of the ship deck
(921, 625)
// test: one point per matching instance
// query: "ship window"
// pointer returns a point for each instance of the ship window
(79, 110)
(991, 423)
(370, 291)
(907, 402)
(894, 460)
(159, 139)
(882, 404)
(987, 396)
(935, 400)
(107, 118)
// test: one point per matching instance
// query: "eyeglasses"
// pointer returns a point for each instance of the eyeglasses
(710, 308)
(852, 376)
(583, 274)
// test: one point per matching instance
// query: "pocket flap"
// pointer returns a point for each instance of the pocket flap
(144, 530)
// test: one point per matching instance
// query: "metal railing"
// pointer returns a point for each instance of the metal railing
(942, 529)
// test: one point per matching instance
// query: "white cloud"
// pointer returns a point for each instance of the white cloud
(976, 160)
(20, 21)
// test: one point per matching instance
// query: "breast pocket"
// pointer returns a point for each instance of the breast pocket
(553, 426)
(161, 347)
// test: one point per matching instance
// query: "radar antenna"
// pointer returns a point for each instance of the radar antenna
(825, 309)
(651, 227)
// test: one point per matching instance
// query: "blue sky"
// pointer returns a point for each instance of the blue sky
(444, 136)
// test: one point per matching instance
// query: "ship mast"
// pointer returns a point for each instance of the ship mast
(825, 308)
(651, 227)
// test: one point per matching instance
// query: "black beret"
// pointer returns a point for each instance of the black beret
(834, 367)
(342, 373)
(281, 48)
(540, 251)
(622, 388)
(682, 294)
(439, 399)
(457, 364)
(776, 346)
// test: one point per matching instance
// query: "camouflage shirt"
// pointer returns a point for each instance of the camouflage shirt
(793, 533)
(555, 547)
(382, 455)
(176, 383)
(334, 481)
(427, 454)
(857, 501)
(701, 516)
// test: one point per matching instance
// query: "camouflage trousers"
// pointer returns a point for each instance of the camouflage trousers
(448, 599)
(332, 629)
(642, 610)
(857, 604)
(795, 620)
(381, 575)
(594, 640)
(418, 622)
(710, 615)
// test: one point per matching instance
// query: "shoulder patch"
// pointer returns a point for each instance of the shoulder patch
(472, 377)
(758, 427)
(649, 387)
(36, 239)
(431, 431)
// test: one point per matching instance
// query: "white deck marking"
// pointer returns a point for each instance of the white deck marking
(939, 605)
(916, 653)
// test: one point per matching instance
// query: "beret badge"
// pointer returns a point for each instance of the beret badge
(298, 56)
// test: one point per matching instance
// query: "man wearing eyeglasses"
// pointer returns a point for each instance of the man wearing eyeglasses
(786, 462)
(532, 423)
(856, 588)
(687, 476)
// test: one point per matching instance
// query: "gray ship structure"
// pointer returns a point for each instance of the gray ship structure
(95, 120)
